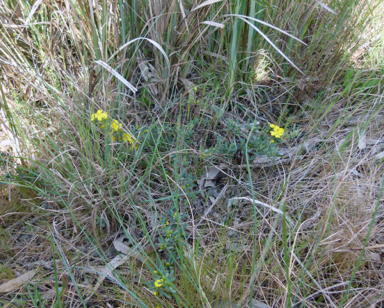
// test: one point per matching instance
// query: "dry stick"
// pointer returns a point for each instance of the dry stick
(279, 211)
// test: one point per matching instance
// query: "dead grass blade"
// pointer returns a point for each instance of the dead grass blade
(17, 282)
(152, 42)
(214, 24)
(266, 24)
(117, 75)
(262, 204)
(208, 2)
(267, 39)
(326, 7)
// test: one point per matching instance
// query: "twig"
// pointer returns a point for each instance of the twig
(262, 204)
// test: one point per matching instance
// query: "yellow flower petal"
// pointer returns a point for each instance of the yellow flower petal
(128, 138)
(277, 132)
(116, 125)
(99, 115)
(158, 283)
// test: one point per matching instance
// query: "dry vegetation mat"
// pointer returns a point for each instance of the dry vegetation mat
(191, 153)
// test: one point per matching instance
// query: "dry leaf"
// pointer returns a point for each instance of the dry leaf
(51, 293)
(362, 140)
(212, 173)
(120, 247)
(17, 282)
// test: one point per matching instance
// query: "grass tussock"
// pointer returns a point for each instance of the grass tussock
(191, 153)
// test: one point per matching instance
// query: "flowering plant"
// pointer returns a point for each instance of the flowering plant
(99, 115)
(277, 131)
(162, 286)
(102, 120)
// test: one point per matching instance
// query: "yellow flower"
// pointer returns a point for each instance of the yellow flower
(99, 115)
(116, 125)
(272, 141)
(158, 283)
(155, 293)
(277, 132)
(128, 138)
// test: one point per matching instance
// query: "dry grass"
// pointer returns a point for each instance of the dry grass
(74, 193)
